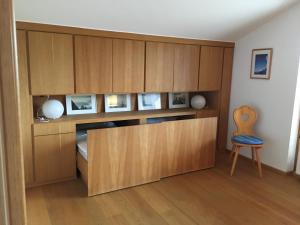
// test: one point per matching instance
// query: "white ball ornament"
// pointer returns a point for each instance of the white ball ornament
(198, 102)
(53, 109)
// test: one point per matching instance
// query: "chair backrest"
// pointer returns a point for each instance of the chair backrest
(244, 118)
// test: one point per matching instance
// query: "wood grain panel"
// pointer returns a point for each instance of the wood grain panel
(12, 185)
(53, 128)
(207, 113)
(128, 66)
(185, 151)
(51, 63)
(208, 138)
(25, 108)
(186, 68)
(211, 64)
(159, 67)
(93, 62)
(205, 197)
(225, 98)
(54, 157)
(123, 157)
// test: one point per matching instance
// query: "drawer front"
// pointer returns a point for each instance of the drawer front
(54, 157)
(207, 113)
(123, 157)
(53, 128)
(188, 145)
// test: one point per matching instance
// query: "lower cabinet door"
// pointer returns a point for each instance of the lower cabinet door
(54, 157)
(189, 145)
(123, 157)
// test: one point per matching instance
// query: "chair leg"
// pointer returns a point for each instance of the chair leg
(253, 155)
(232, 152)
(258, 162)
(237, 152)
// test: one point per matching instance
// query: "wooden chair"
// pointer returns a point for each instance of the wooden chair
(245, 118)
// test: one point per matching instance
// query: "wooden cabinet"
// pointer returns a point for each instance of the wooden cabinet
(159, 67)
(54, 154)
(171, 67)
(189, 145)
(51, 63)
(123, 157)
(25, 108)
(186, 68)
(93, 63)
(211, 66)
(128, 66)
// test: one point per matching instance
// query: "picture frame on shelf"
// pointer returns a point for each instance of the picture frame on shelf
(81, 104)
(149, 101)
(117, 102)
(261, 63)
(179, 100)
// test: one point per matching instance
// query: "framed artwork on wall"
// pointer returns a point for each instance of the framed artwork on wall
(261, 63)
(117, 102)
(178, 100)
(81, 104)
(149, 101)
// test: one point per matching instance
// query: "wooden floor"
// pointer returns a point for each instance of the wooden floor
(205, 197)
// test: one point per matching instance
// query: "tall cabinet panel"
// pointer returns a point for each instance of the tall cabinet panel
(159, 67)
(93, 63)
(225, 98)
(186, 68)
(128, 66)
(51, 63)
(25, 108)
(211, 64)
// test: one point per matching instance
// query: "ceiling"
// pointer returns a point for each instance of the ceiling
(202, 19)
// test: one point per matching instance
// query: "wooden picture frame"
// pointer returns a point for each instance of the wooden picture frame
(261, 63)
(73, 108)
(179, 100)
(117, 103)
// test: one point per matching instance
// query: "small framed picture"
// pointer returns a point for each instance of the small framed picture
(261, 63)
(149, 101)
(117, 102)
(81, 104)
(178, 100)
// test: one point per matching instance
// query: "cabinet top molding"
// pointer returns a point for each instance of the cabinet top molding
(122, 35)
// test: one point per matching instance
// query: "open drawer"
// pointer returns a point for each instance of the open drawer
(126, 156)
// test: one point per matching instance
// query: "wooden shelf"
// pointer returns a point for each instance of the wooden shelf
(115, 116)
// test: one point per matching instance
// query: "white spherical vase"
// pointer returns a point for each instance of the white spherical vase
(53, 109)
(198, 102)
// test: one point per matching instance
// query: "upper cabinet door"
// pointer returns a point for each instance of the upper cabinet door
(128, 66)
(211, 66)
(186, 68)
(159, 67)
(93, 60)
(51, 63)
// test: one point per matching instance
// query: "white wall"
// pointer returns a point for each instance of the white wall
(198, 19)
(274, 99)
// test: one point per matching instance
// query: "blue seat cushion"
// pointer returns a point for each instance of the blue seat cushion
(247, 140)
